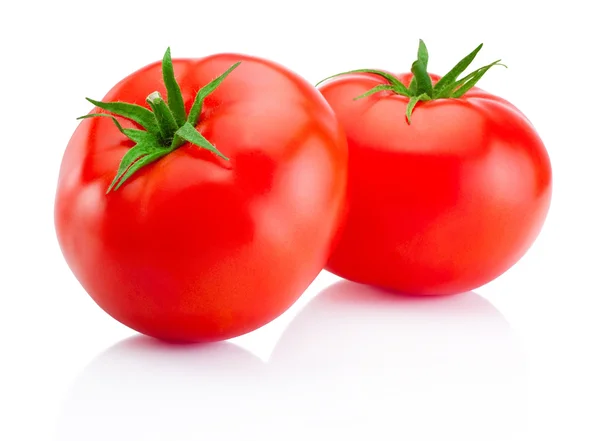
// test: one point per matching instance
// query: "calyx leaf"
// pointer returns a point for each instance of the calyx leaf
(190, 134)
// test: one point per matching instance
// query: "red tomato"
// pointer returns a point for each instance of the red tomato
(441, 204)
(195, 247)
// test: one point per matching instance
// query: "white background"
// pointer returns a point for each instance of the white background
(517, 360)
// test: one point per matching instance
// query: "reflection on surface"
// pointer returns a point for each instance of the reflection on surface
(373, 363)
(142, 389)
(356, 362)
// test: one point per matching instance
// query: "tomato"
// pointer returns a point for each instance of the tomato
(202, 242)
(443, 202)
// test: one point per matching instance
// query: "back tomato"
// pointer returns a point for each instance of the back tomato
(194, 247)
(440, 205)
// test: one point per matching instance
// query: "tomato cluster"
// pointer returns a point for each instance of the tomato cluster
(205, 214)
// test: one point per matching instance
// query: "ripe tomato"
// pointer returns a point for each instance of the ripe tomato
(442, 202)
(209, 241)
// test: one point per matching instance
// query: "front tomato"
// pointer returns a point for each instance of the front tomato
(448, 185)
(205, 215)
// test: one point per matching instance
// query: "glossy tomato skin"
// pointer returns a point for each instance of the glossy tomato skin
(193, 247)
(445, 204)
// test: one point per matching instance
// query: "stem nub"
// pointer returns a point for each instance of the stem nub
(164, 117)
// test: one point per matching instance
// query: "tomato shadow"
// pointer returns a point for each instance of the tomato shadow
(355, 362)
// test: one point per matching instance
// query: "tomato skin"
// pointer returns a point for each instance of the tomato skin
(193, 247)
(443, 205)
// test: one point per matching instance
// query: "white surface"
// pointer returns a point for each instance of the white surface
(516, 361)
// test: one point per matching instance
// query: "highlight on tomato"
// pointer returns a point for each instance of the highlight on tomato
(448, 185)
(200, 197)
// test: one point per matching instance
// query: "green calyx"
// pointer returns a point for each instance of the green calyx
(421, 87)
(166, 126)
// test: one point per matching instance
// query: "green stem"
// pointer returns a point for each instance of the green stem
(164, 117)
(421, 86)
(167, 127)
